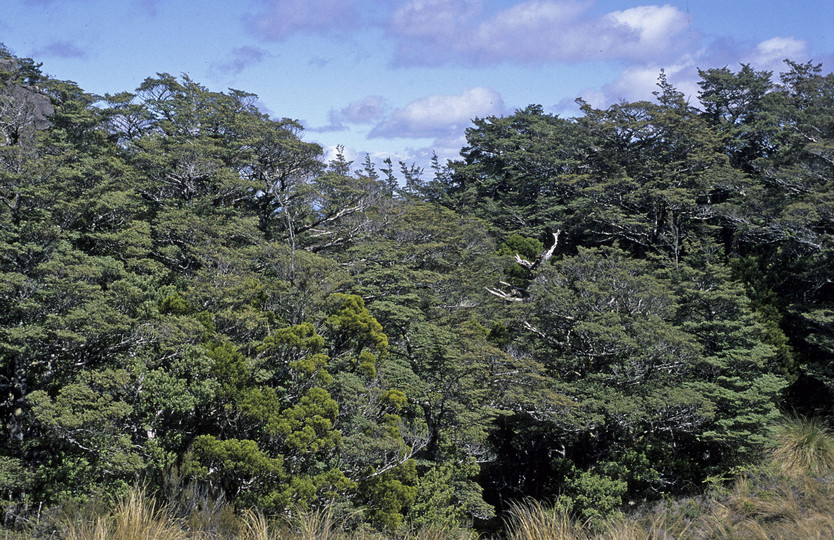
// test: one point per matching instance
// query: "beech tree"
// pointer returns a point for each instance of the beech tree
(593, 311)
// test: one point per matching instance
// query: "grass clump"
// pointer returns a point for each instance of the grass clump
(805, 445)
(317, 524)
(533, 521)
(134, 518)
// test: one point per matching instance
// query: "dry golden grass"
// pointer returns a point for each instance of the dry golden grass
(256, 527)
(135, 518)
(774, 505)
(624, 530)
(655, 526)
(805, 445)
(428, 534)
(533, 521)
(812, 527)
(438, 533)
(317, 524)
(770, 506)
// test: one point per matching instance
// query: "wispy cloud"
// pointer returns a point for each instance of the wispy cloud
(435, 31)
(148, 7)
(62, 49)
(366, 111)
(53, 1)
(241, 58)
(440, 116)
(281, 18)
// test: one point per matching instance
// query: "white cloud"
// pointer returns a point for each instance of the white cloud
(440, 115)
(534, 31)
(654, 28)
(531, 31)
(771, 54)
(638, 81)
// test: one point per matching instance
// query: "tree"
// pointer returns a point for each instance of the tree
(75, 271)
(518, 172)
(737, 105)
(787, 233)
(661, 179)
(638, 405)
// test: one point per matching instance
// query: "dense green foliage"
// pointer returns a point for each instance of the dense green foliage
(594, 311)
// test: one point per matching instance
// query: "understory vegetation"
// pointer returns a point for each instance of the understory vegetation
(611, 326)
(789, 495)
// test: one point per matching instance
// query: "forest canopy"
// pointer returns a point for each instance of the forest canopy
(594, 311)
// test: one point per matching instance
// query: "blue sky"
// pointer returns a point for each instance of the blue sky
(403, 78)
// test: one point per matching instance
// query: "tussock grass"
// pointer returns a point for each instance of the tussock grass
(317, 524)
(764, 506)
(134, 518)
(256, 527)
(805, 445)
(440, 533)
(533, 521)
(656, 526)
(772, 505)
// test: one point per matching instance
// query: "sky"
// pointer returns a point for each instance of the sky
(404, 78)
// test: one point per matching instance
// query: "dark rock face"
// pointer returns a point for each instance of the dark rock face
(23, 109)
